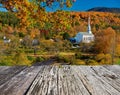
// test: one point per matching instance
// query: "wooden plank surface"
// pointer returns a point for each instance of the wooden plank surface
(6, 73)
(20, 82)
(60, 80)
(114, 68)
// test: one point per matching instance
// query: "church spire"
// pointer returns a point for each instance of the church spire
(89, 27)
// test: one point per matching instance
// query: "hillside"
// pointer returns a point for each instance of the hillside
(99, 21)
(105, 9)
(52, 39)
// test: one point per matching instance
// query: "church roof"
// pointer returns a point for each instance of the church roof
(84, 33)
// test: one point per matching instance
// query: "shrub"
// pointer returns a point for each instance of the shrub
(66, 59)
(21, 34)
(80, 62)
(39, 59)
(59, 58)
(84, 57)
(66, 36)
(47, 37)
(117, 50)
(20, 58)
(0, 27)
(30, 58)
(118, 61)
(6, 61)
(91, 62)
(108, 59)
(78, 55)
(104, 58)
(73, 60)
(99, 57)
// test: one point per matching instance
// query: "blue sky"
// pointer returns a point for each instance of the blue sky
(83, 5)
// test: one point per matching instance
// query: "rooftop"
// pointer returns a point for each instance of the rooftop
(84, 33)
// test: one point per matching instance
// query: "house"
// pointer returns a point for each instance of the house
(84, 37)
(35, 42)
(6, 40)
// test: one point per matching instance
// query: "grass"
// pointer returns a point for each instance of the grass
(66, 53)
(118, 62)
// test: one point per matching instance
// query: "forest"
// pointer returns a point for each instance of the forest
(29, 35)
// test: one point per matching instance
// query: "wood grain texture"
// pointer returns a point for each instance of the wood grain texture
(60, 80)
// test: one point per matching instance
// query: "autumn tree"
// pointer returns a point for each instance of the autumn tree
(104, 41)
(32, 12)
(59, 21)
(117, 50)
(103, 59)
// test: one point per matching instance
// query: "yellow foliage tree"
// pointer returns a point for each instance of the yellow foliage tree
(104, 59)
(117, 50)
(20, 58)
(31, 12)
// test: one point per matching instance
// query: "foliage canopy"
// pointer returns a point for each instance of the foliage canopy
(32, 12)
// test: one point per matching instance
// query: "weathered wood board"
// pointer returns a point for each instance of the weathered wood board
(60, 80)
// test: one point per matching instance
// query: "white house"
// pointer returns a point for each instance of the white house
(85, 37)
(6, 40)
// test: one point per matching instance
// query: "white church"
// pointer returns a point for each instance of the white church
(85, 37)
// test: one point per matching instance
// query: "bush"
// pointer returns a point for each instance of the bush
(118, 61)
(91, 62)
(39, 59)
(21, 34)
(104, 58)
(99, 57)
(65, 59)
(0, 27)
(59, 58)
(80, 62)
(6, 61)
(78, 55)
(66, 36)
(30, 58)
(29, 51)
(84, 57)
(72, 60)
(47, 37)
(20, 58)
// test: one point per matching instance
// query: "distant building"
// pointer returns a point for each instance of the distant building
(84, 37)
(35, 42)
(6, 40)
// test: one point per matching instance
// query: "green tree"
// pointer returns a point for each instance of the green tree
(9, 19)
(66, 36)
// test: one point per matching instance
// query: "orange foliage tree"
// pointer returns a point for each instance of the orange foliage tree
(59, 21)
(104, 41)
(32, 12)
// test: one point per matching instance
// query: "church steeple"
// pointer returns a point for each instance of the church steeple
(89, 27)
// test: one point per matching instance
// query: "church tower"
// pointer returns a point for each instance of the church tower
(89, 27)
(84, 37)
